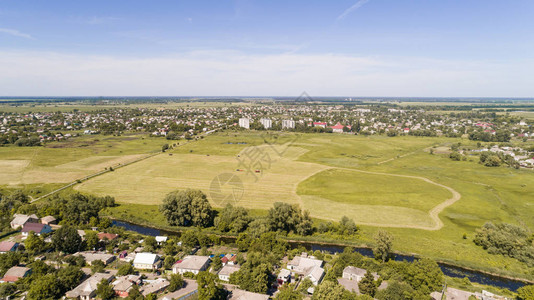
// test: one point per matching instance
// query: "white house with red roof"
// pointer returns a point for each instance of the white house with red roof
(338, 128)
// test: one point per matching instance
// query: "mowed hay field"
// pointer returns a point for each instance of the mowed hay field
(148, 181)
(292, 169)
(66, 161)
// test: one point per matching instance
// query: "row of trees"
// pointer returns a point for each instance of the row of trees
(192, 208)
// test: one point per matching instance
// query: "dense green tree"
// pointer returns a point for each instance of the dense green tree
(259, 226)
(66, 239)
(383, 245)
(34, 243)
(456, 156)
(69, 277)
(506, 239)
(396, 291)
(125, 269)
(7, 289)
(150, 244)
(425, 276)
(305, 284)
(91, 240)
(168, 262)
(8, 260)
(243, 241)
(176, 282)
(216, 263)
(45, 287)
(104, 290)
(186, 208)
(135, 294)
(97, 266)
(367, 285)
(208, 289)
(329, 290)
(232, 219)
(287, 292)
(347, 226)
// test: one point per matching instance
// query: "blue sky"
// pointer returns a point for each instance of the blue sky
(338, 48)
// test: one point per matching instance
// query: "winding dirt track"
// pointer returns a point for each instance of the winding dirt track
(434, 212)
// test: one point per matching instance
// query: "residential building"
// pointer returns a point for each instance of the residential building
(284, 276)
(147, 261)
(288, 124)
(8, 247)
(15, 273)
(353, 273)
(452, 294)
(37, 228)
(189, 289)
(161, 240)
(191, 263)
(267, 123)
(21, 220)
(87, 289)
(122, 285)
(307, 266)
(48, 220)
(319, 124)
(104, 236)
(244, 123)
(154, 286)
(226, 271)
(91, 257)
(238, 294)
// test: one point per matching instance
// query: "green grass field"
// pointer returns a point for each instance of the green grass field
(66, 161)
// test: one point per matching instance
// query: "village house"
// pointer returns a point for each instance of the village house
(103, 236)
(229, 259)
(122, 285)
(154, 287)
(189, 289)
(307, 266)
(226, 271)
(452, 294)
(160, 240)
(238, 294)
(37, 228)
(48, 220)
(87, 289)
(8, 247)
(147, 261)
(15, 273)
(192, 263)
(284, 276)
(353, 273)
(21, 220)
(338, 128)
(91, 257)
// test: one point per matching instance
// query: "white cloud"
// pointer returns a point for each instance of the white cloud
(354, 7)
(16, 33)
(227, 73)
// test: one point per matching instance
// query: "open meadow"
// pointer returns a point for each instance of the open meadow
(66, 161)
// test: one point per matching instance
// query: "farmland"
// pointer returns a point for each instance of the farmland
(62, 162)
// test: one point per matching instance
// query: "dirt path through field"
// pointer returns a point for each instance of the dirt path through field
(434, 212)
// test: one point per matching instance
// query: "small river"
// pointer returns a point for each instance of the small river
(449, 270)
